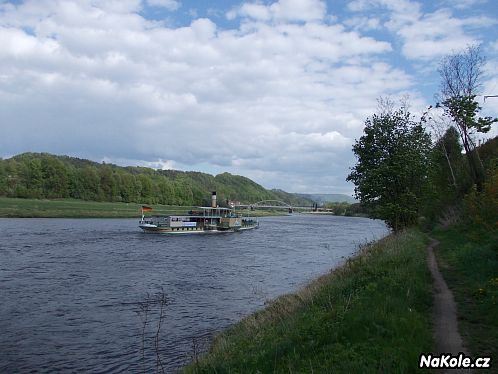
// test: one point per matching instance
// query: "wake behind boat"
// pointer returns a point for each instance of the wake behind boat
(213, 219)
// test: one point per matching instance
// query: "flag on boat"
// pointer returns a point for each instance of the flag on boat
(146, 208)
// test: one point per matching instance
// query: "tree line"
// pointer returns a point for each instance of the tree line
(46, 176)
(404, 175)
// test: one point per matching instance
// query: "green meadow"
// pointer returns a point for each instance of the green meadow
(71, 208)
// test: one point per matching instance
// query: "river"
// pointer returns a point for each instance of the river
(73, 292)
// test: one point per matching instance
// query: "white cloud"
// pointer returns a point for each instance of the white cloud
(256, 11)
(279, 99)
(299, 10)
(283, 10)
(363, 23)
(436, 34)
(426, 36)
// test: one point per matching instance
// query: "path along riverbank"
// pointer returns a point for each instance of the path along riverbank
(446, 335)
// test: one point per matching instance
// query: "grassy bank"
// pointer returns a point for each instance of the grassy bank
(468, 259)
(71, 208)
(371, 315)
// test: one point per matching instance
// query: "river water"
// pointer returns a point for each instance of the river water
(74, 293)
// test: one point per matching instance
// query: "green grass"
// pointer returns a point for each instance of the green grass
(371, 315)
(468, 259)
(70, 208)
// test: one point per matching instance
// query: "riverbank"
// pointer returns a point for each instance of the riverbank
(71, 208)
(371, 315)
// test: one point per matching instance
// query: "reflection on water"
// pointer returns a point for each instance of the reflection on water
(72, 291)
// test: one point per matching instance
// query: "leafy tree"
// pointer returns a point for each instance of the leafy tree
(109, 183)
(91, 183)
(126, 188)
(391, 173)
(3, 178)
(339, 209)
(55, 178)
(183, 191)
(356, 209)
(165, 191)
(146, 191)
(30, 183)
(482, 206)
(11, 174)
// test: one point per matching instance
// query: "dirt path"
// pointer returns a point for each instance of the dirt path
(446, 335)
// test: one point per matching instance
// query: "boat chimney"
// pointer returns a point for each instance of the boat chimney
(213, 200)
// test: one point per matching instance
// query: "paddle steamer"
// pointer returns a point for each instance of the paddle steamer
(213, 219)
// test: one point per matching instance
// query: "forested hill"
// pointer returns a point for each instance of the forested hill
(330, 198)
(46, 176)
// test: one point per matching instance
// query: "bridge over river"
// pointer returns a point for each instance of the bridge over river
(274, 204)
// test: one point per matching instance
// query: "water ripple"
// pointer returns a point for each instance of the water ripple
(73, 291)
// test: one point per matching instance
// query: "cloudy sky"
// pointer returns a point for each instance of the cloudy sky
(273, 90)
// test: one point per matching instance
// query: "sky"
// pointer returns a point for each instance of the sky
(277, 91)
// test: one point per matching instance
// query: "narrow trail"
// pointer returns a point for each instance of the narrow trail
(446, 335)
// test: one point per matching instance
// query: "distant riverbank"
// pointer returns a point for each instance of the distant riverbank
(72, 208)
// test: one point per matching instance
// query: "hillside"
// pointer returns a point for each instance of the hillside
(47, 176)
(293, 198)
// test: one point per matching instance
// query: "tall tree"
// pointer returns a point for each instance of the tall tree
(391, 172)
(461, 75)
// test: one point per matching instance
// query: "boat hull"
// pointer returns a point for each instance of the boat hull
(152, 229)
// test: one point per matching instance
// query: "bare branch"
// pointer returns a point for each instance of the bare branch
(461, 73)
(385, 105)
